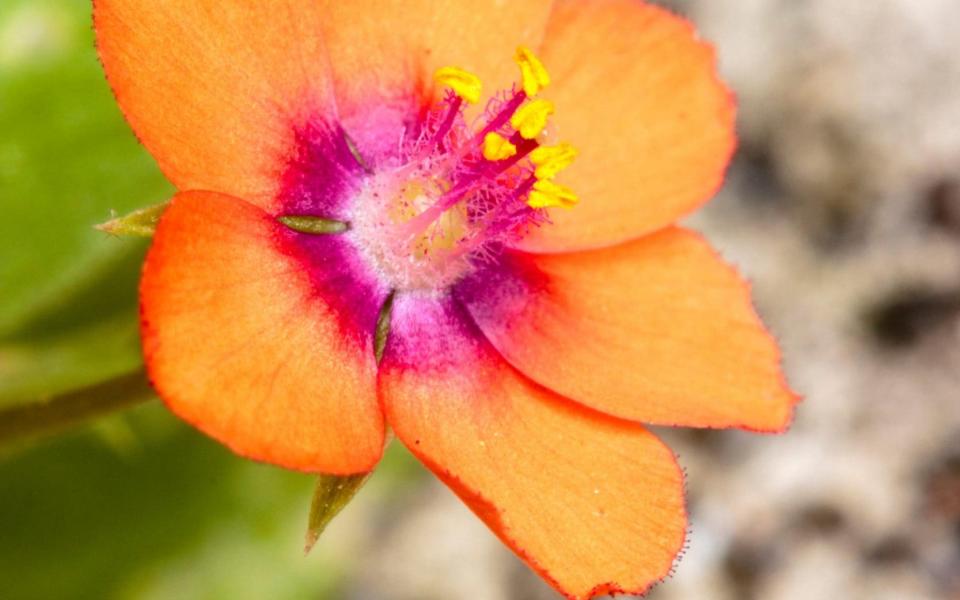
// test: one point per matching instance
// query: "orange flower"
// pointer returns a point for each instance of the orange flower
(336, 177)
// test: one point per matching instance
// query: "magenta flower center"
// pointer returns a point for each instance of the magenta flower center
(446, 206)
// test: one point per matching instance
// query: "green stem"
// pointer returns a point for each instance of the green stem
(71, 408)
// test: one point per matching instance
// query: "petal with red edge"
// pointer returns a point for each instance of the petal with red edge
(659, 330)
(241, 340)
(593, 504)
(637, 93)
(217, 90)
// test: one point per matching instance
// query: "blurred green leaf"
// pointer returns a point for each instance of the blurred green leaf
(85, 334)
(176, 516)
(68, 299)
(67, 159)
(80, 520)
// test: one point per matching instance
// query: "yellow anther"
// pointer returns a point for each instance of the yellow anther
(497, 147)
(532, 72)
(531, 118)
(463, 83)
(550, 160)
(547, 194)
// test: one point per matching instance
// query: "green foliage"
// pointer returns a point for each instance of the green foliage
(67, 161)
(144, 507)
(166, 513)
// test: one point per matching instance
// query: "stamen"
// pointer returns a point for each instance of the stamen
(532, 72)
(530, 119)
(497, 147)
(524, 188)
(524, 147)
(501, 221)
(452, 112)
(464, 84)
(550, 160)
(547, 194)
(418, 224)
(458, 194)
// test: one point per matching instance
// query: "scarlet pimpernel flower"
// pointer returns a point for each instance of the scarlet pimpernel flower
(453, 219)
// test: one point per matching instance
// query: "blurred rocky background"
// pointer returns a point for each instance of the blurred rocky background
(843, 208)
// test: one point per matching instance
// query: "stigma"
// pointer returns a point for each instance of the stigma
(462, 190)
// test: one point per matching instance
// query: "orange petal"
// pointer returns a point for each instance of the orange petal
(241, 340)
(658, 330)
(637, 93)
(593, 504)
(387, 50)
(216, 90)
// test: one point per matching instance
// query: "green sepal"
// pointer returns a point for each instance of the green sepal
(141, 222)
(330, 496)
(383, 327)
(357, 156)
(314, 225)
